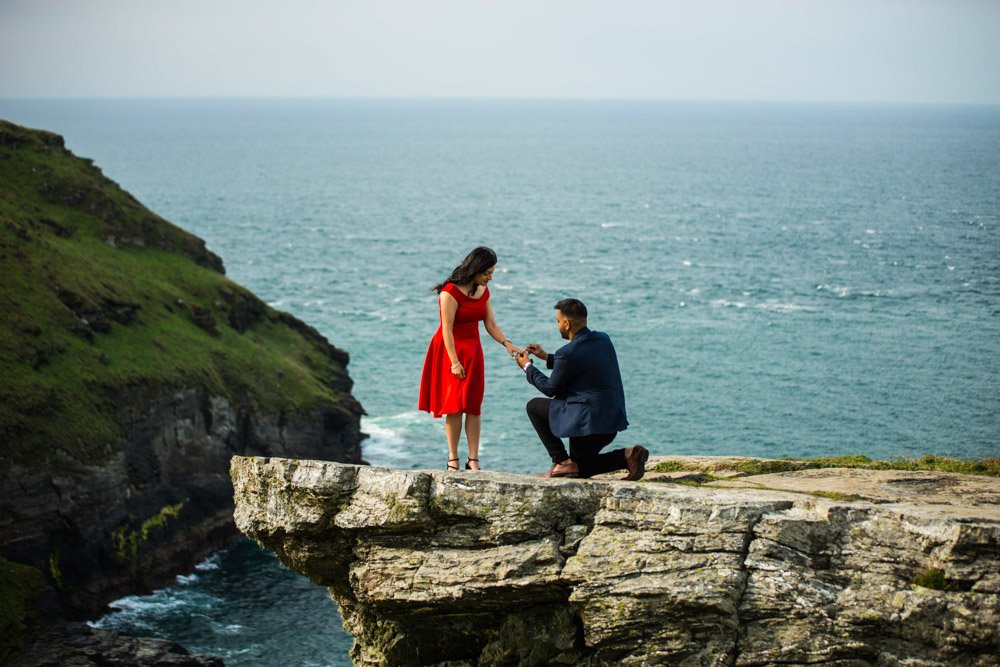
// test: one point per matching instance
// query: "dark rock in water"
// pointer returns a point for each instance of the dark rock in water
(77, 645)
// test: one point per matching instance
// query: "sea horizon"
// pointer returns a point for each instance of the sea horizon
(502, 98)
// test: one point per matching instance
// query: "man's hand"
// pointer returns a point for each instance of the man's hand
(522, 359)
(536, 349)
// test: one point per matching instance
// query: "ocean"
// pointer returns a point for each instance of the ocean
(779, 279)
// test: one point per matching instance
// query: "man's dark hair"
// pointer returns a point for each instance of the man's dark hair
(572, 308)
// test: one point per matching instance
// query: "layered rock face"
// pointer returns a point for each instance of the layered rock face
(497, 569)
(160, 505)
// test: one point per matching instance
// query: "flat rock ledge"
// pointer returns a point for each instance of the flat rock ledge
(502, 569)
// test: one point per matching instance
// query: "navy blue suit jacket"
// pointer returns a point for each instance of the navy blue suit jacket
(585, 387)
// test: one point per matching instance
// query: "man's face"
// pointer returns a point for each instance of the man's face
(562, 323)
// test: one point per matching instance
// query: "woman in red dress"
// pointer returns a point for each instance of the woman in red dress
(454, 379)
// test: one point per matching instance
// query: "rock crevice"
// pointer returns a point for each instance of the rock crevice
(491, 569)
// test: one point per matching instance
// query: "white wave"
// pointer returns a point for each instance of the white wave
(144, 603)
(230, 629)
(686, 262)
(724, 303)
(609, 225)
(387, 438)
(134, 609)
(184, 579)
(504, 288)
(835, 289)
(213, 562)
(775, 306)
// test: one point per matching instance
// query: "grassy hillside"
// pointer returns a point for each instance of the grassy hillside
(105, 304)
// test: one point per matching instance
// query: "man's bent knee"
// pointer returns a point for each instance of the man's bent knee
(535, 405)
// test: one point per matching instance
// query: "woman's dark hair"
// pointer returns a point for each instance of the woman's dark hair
(477, 261)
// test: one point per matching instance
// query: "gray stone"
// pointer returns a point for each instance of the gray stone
(76, 645)
(493, 568)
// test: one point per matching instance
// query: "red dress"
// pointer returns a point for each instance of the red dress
(441, 391)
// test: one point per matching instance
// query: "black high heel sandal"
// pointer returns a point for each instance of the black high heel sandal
(452, 467)
(468, 467)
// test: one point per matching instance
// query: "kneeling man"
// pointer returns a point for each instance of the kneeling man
(587, 401)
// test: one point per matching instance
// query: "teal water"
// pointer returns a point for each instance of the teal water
(779, 279)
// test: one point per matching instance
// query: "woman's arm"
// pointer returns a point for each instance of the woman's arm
(493, 329)
(449, 306)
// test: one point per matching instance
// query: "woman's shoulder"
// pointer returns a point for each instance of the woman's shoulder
(452, 289)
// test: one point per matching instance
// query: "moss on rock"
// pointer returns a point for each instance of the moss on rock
(750, 466)
(20, 588)
(127, 540)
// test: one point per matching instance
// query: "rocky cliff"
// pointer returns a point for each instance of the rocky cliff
(841, 567)
(132, 370)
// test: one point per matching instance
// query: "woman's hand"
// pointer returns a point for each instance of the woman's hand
(512, 350)
(458, 369)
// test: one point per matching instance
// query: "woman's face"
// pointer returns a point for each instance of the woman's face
(484, 277)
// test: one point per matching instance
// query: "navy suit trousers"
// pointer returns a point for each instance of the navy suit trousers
(584, 450)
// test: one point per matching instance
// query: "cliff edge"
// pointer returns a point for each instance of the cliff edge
(501, 569)
(132, 369)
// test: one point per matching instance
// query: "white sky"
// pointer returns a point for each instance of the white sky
(843, 50)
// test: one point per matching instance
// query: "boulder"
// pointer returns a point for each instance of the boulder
(493, 568)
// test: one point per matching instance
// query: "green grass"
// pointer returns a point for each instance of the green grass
(935, 579)
(62, 392)
(988, 467)
(20, 587)
(670, 466)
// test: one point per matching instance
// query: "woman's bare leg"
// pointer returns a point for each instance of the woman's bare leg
(473, 423)
(453, 430)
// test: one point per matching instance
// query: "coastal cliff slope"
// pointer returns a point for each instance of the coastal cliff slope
(132, 370)
(501, 569)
